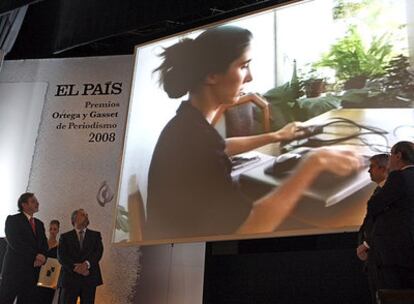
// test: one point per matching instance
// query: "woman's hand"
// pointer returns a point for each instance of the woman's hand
(289, 132)
(338, 161)
(236, 145)
(271, 210)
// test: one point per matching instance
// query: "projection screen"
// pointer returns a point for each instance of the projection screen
(192, 171)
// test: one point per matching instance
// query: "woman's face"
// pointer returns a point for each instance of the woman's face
(228, 86)
(53, 230)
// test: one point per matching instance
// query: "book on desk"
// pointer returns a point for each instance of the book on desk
(328, 187)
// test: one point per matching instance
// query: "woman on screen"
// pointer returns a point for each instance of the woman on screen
(190, 189)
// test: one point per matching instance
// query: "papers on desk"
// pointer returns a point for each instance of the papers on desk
(245, 161)
(327, 188)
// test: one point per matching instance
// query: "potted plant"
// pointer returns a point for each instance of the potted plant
(313, 83)
(353, 62)
(283, 103)
(400, 77)
(395, 89)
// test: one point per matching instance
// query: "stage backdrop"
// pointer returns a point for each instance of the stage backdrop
(62, 123)
(75, 109)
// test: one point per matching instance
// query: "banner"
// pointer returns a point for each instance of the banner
(76, 110)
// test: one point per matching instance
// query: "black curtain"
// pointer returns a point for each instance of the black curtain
(83, 21)
(10, 24)
(9, 5)
(54, 26)
(318, 269)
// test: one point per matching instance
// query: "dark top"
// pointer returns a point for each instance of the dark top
(392, 211)
(190, 189)
(45, 295)
(52, 252)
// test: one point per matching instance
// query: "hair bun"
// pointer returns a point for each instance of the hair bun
(175, 71)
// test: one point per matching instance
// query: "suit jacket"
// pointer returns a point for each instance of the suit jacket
(365, 231)
(69, 253)
(22, 246)
(392, 211)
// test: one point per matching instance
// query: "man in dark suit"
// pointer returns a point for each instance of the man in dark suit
(25, 253)
(79, 252)
(378, 171)
(392, 211)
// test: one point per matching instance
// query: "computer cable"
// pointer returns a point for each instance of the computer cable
(361, 130)
(407, 130)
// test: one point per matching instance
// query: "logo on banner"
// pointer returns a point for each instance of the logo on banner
(105, 194)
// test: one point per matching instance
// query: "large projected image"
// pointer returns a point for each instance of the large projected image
(264, 126)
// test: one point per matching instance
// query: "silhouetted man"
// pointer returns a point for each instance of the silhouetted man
(392, 211)
(79, 252)
(25, 253)
(378, 171)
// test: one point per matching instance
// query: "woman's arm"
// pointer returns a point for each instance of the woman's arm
(269, 211)
(236, 145)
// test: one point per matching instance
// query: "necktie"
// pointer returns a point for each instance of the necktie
(81, 238)
(32, 224)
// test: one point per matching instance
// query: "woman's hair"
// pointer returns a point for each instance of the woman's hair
(187, 63)
(54, 222)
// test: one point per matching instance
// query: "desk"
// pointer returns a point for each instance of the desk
(343, 211)
(398, 122)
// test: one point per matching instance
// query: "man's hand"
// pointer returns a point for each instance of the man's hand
(81, 268)
(39, 260)
(362, 252)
